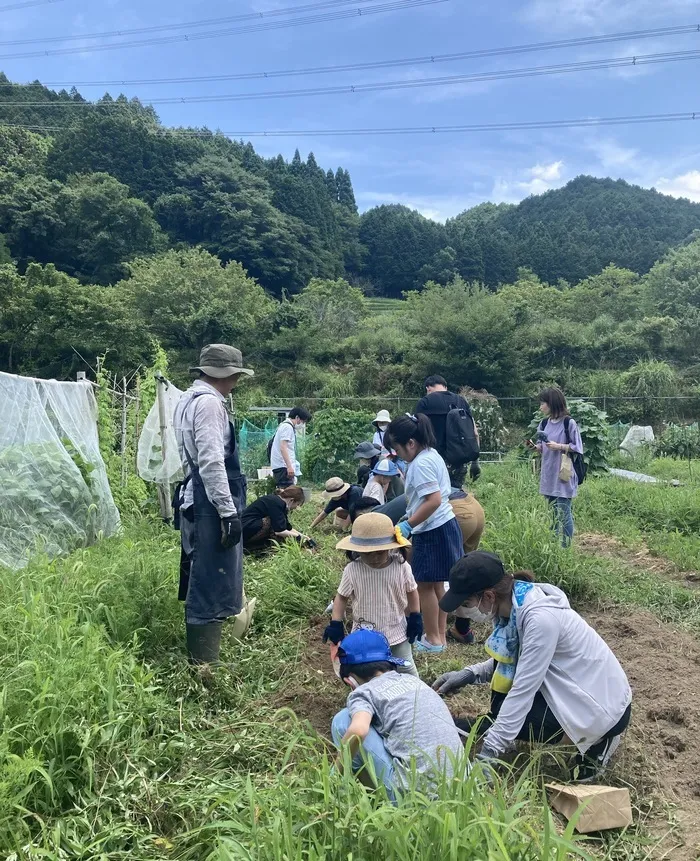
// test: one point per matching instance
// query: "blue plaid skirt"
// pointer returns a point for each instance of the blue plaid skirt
(436, 551)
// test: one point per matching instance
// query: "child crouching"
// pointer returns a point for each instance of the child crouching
(395, 721)
(381, 585)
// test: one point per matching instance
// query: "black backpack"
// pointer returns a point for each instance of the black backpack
(579, 464)
(461, 444)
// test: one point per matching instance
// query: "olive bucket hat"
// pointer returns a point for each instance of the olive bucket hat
(221, 361)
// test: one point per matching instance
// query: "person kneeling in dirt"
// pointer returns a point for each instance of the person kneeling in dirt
(395, 721)
(471, 519)
(553, 678)
(267, 519)
(342, 498)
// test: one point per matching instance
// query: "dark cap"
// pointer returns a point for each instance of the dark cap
(473, 573)
(221, 361)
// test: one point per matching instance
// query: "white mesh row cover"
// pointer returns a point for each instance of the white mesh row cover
(54, 492)
(149, 458)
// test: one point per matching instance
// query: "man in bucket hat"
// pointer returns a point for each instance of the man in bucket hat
(395, 721)
(209, 503)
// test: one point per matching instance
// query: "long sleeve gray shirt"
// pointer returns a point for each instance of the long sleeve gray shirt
(201, 425)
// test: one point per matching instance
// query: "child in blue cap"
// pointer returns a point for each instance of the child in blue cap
(395, 720)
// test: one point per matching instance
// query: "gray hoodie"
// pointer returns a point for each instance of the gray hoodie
(569, 663)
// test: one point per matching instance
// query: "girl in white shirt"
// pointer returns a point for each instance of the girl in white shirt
(430, 523)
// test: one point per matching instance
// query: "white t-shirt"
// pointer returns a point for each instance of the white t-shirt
(286, 431)
(378, 438)
(375, 490)
(427, 474)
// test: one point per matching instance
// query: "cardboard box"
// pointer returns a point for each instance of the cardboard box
(601, 807)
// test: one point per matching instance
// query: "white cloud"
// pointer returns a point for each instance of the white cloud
(611, 155)
(685, 185)
(534, 180)
(436, 207)
(571, 14)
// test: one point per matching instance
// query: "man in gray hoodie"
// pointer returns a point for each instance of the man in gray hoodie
(553, 678)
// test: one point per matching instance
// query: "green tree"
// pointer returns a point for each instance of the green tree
(399, 242)
(102, 228)
(464, 333)
(189, 298)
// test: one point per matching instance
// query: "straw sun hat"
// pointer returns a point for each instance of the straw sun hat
(335, 488)
(370, 532)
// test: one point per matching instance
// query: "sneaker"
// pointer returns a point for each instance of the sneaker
(329, 608)
(587, 769)
(424, 645)
(466, 639)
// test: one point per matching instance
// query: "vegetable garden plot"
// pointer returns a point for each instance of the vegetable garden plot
(54, 492)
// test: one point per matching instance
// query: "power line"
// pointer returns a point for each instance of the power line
(236, 31)
(474, 78)
(431, 59)
(585, 122)
(27, 4)
(204, 22)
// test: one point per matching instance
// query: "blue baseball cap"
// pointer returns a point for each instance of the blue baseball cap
(386, 467)
(366, 647)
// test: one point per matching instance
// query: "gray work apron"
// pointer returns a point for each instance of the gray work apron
(211, 577)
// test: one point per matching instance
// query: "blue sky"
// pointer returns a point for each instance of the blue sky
(440, 175)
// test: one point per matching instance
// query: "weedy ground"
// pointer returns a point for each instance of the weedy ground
(111, 747)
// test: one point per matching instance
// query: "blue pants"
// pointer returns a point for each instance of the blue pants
(563, 518)
(372, 749)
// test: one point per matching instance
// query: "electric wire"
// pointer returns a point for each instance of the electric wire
(430, 59)
(342, 14)
(13, 6)
(583, 122)
(449, 80)
(203, 22)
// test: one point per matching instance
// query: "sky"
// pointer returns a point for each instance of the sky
(438, 174)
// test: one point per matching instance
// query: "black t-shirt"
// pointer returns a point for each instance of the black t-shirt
(348, 501)
(271, 506)
(436, 406)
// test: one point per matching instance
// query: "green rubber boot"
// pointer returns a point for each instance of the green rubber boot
(204, 642)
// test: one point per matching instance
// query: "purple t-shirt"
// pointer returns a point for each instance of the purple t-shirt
(550, 484)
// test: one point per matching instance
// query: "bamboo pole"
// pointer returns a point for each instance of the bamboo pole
(166, 508)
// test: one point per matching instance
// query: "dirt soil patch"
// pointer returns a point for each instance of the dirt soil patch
(639, 557)
(660, 756)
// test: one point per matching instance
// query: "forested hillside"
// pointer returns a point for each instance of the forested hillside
(68, 171)
(117, 234)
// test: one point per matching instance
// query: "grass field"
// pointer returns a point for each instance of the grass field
(112, 748)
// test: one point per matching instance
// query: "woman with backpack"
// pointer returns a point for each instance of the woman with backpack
(558, 442)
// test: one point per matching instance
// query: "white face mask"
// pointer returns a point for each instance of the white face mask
(477, 615)
(382, 427)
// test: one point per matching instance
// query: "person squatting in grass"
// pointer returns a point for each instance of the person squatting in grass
(283, 454)
(553, 678)
(209, 501)
(392, 720)
(553, 447)
(342, 499)
(430, 523)
(380, 583)
(267, 519)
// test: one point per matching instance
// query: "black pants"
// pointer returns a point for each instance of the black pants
(281, 477)
(540, 724)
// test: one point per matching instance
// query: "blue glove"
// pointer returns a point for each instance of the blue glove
(334, 632)
(414, 627)
(406, 529)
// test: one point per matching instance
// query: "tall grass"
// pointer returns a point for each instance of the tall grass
(112, 748)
